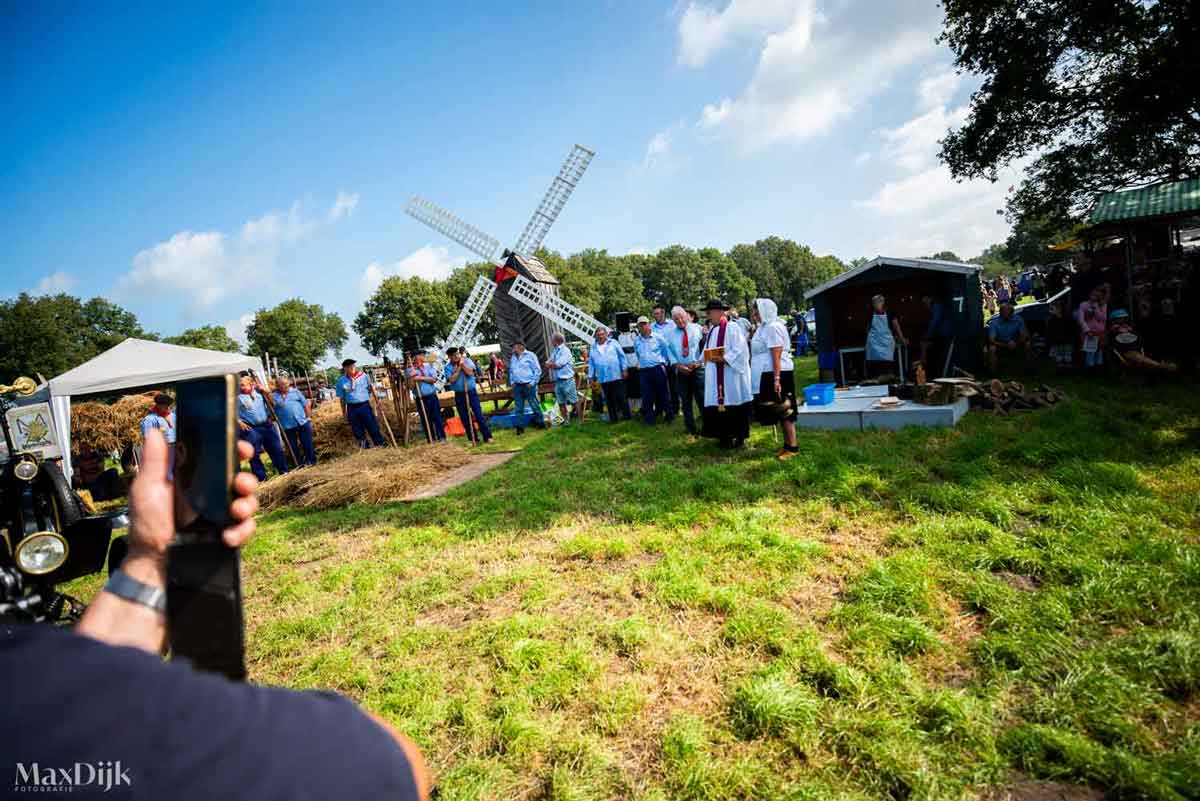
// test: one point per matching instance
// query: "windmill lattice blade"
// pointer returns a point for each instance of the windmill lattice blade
(472, 312)
(454, 228)
(554, 200)
(554, 308)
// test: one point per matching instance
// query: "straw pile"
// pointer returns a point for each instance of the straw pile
(372, 476)
(109, 427)
(332, 436)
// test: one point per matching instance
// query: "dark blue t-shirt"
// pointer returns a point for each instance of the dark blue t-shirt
(154, 730)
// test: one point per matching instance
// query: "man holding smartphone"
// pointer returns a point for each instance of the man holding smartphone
(123, 723)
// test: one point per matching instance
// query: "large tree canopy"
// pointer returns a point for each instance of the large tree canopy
(405, 307)
(1101, 94)
(50, 334)
(296, 334)
(209, 337)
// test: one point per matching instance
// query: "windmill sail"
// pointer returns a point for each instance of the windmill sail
(454, 228)
(553, 201)
(554, 308)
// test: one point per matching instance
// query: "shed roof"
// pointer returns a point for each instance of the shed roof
(1157, 200)
(537, 271)
(936, 265)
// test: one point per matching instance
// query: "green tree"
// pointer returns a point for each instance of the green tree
(209, 337)
(619, 279)
(755, 265)
(994, 261)
(50, 334)
(732, 284)
(857, 262)
(459, 285)
(296, 334)
(677, 274)
(945, 255)
(1031, 237)
(577, 285)
(405, 307)
(1101, 94)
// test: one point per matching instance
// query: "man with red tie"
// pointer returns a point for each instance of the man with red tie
(685, 340)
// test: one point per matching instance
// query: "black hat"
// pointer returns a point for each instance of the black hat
(348, 362)
(716, 304)
(162, 399)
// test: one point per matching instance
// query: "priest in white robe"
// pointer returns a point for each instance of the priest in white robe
(728, 397)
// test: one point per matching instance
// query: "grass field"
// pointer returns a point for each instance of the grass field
(630, 613)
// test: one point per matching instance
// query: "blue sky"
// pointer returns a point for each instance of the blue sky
(197, 164)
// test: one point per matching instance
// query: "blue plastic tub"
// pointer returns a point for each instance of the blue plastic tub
(819, 394)
(511, 420)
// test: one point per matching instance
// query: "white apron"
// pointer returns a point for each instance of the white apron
(881, 345)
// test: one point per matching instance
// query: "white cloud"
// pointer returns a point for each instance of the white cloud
(704, 31)
(344, 205)
(236, 329)
(637, 250)
(937, 88)
(431, 262)
(658, 149)
(201, 267)
(54, 283)
(815, 68)
(662, 155)
(914, 145)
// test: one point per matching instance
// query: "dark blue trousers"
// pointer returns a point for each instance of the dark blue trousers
(691, 391)
(263, 437)
(460, 403)
(615, 400)
(654, 394)
(429, 409)
(362, 422)
(301, 440)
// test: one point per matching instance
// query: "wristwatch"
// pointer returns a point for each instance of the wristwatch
(122, 585)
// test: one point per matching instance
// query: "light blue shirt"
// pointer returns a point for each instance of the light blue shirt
(606, 362)
(695, 344)
(651, 351)
(290, 409)
(252, 409)
(353, 390)
(424, 387)
(565, 361)
(457, 386)
(1008, 330)
(524, 369)
(663, 328)
(163, 424)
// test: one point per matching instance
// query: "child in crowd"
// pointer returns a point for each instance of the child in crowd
(1093, 323)
(1060, 335)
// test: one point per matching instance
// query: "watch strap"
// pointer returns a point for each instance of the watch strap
(122, 585)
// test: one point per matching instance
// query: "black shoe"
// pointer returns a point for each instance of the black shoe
(520, 431)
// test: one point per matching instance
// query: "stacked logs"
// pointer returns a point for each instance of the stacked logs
(999, 397)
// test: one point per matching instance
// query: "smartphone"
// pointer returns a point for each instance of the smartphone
(204, 585)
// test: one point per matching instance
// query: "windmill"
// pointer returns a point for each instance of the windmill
(525, 294)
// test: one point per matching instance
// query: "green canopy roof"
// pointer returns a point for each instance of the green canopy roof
(1159, 200)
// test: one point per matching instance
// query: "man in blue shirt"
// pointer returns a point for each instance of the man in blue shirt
(663, 328)
(295, 418)
(562, 368)
(1006, 335)
(523, 375)
(460, 378)
(606, 366)
(685, 342)
(353, 389)
(162, 417)
(936, 342)
(423, 378)
(255, 427)
(652, 372)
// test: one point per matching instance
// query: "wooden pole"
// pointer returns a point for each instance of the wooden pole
(386, 424)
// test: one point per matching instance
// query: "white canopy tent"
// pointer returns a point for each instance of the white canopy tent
(132, 366)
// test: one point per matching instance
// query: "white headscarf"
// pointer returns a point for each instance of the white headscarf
(767, 310)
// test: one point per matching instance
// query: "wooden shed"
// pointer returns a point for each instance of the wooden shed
(843, 309)
(516, 321)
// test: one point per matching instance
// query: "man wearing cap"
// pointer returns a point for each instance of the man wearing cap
(524, 372)
(562, 368)
(353, 389)
(460, 378)
(423, 378)
(606, 366)
(162, 417)
(727, 393)
(295, 418)
(663, 326)
(685, 342)
(653, 359)
(255, 427)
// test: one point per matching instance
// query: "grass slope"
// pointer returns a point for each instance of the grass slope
(624, 613)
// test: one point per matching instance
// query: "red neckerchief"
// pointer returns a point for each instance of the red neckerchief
(164, 415)
(720, 365)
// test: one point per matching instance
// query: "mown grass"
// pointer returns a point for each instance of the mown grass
(629, 613)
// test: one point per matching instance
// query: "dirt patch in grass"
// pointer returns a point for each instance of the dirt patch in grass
(1035, 790)
(1018, 581)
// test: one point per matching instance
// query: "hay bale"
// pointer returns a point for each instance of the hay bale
(109, 427)
(332, 436)
(372, 476)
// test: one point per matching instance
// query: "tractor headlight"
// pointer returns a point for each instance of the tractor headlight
(26, 469)
(41, 553)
